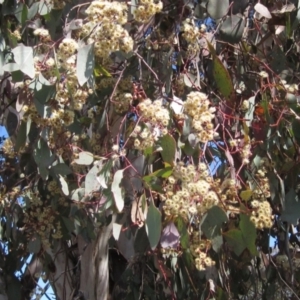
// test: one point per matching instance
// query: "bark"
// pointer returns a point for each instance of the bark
(61, 279)
(94, 277)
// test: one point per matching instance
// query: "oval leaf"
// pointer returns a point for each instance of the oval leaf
(153, 225)
(217, 9)
(64, 185)
(117, 190)
(263, 10)
(85, 63)
(85, 158)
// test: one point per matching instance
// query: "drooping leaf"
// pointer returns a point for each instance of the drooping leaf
(262, 10)
(249, 233)
(78, 194)
(234, 238)
(217, 9)
(34, 245)
(212, 222)
(292, 208)
(232, 29)
(12, 120)
(85, 63)
(61, 169)
(14, 289)
(117, 190)
(168, 145)
(184, 236)
(64, 185)
(153, 225)
(44, 7)
(245, 237)
(23, 56)
(91, 183)
(116, 231)
(221, 75)
(296, 130)
(21, 136)
(42, 154)
(84, 158)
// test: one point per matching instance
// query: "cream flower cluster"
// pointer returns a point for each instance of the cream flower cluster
(197, 107)
(122, 102)
(154, 113)
(43, 34)
(190, 31)
(199, 248)
(105, 26)
(107, 12)
(144, 137)
(155, 118)
(262, 212)
(196, 195)
(146, 9)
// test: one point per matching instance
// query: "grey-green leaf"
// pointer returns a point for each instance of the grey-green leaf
(64, 185)
(153, 225)
(23, 56)
(232, 29)
(85, 63)
(212, 222)
(85, 158)
(217, 9)
(291, 212)
(117, 190)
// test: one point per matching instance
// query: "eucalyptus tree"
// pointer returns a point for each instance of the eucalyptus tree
(153, 149)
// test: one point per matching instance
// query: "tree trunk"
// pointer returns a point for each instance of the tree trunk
(94, 277)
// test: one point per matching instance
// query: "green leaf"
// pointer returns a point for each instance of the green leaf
(100, 70)
(217, 243)
(91, 183)
(184, 236)
(168, 145)
(164, 173)
(232, 29)
(23, 57)
(43, 90)
(221, 75)
(296, 130)
(153, 225)
(44, 7)
(34, 245)
(21, 136)
(217, 9)
(245, 237)
(33, 9)
(291, 213)
(69, 224)
(212, 222)
(11, 67)
(78, 194)
(85, 63)
(85, 158)
(14, 289)
(234, 238)
(1, 63)
(61, 169)
(64, 185)
(21, 12)
(249, 233)
(117, 190)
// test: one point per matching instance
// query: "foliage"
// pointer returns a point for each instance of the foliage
(164, 131)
